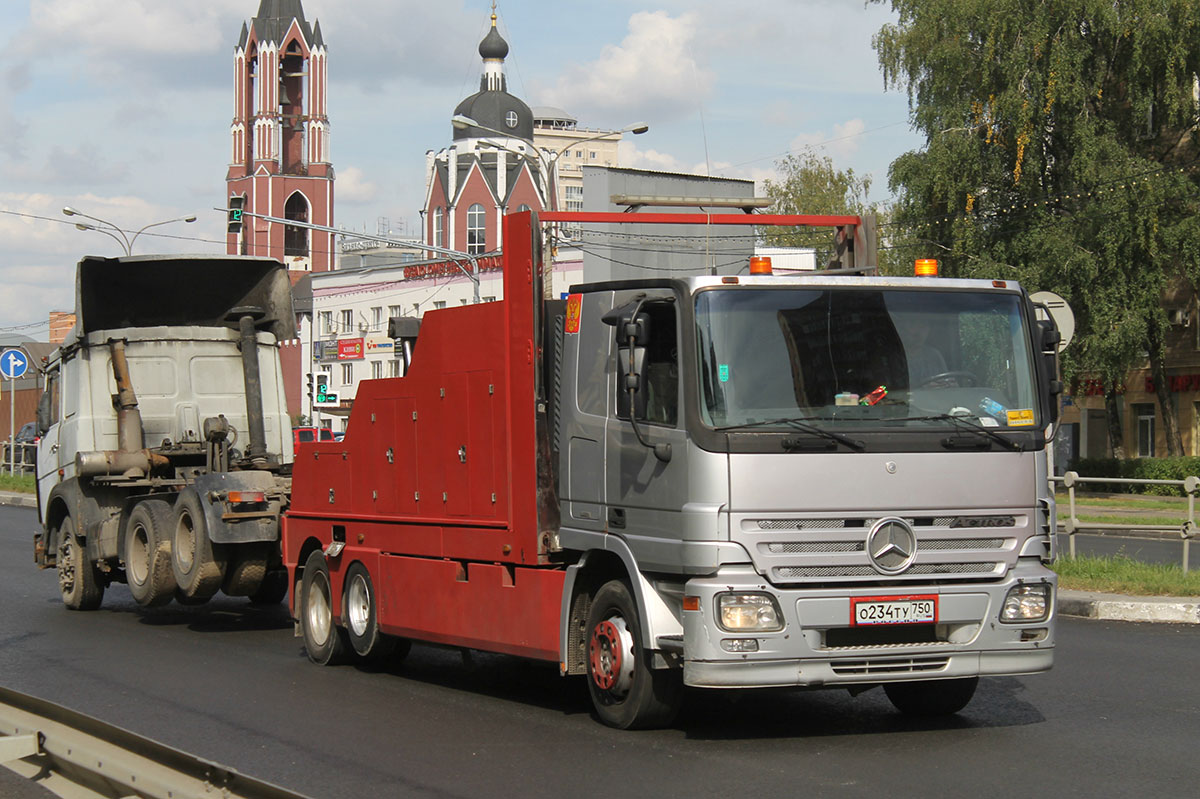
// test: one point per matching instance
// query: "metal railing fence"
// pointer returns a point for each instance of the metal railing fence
(1186, 529)
(19, 458)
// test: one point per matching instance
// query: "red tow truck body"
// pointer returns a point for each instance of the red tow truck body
(435, 486)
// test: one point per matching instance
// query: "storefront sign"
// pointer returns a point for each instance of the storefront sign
(350, 349)
(379, 345)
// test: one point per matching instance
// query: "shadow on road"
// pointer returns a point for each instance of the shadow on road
(711, 714)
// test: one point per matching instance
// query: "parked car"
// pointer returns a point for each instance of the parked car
(26, 446)
(303, 434)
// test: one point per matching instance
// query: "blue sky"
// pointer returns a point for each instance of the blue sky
(121, 108)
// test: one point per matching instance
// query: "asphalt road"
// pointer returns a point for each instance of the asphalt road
(1118, 716)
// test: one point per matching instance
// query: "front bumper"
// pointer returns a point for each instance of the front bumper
(814, 649)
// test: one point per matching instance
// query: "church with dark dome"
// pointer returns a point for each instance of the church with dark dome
(490, 169)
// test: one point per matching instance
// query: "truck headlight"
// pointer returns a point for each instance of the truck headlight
(1026, 603)
(748, 613)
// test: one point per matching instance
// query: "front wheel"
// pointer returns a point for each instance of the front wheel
(79, 580)
(626, 692)
(324, 641)
(931, 698)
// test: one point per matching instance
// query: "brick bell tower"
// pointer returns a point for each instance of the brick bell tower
(280, 138)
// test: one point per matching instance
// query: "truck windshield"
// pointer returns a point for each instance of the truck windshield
(864, 358)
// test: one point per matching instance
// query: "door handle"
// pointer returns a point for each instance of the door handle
(616, 518)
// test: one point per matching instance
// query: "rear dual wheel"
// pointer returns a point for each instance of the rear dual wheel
(324, 642)
(197, 563)
(362, 619)
(625, 691)
(148, 553)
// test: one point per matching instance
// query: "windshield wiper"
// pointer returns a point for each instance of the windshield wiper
(965, 424)
(804, 427)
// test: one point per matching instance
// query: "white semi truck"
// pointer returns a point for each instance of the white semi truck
(166, 445)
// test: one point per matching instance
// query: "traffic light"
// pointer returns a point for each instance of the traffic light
(323, 397)
(236, 205)
(310, 384)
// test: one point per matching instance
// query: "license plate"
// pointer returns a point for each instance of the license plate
(893, 610)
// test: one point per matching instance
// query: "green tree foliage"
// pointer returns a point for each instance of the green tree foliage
(811, 184)
(1061, 150)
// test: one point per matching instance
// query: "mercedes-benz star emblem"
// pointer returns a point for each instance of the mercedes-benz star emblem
(891, 545)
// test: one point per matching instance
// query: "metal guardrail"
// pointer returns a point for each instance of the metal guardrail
(80, 757)
(19, 458)
(1187, 528)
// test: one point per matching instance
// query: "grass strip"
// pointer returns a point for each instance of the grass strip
(1167, 522)
(18, 482)
(1120, 574)
(1064, 503)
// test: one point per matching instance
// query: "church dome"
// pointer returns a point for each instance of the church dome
(497, 110)
(493, 45)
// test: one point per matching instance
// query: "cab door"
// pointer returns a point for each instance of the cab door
(49, 416)
(646, 493)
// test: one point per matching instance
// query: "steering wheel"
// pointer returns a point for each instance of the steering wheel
(962, 378)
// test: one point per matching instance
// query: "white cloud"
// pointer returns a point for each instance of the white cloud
(353, 187)
(842, 143)
(633, 158)
(652, 70)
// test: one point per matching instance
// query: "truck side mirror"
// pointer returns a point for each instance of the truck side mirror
(1050, 338)
(43, 413)
(632, 336)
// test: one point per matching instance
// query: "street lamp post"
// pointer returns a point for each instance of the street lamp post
(116, 233)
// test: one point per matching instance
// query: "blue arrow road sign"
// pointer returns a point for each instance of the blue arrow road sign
(13, 364)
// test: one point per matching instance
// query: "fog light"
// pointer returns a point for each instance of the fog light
(746, 612)
(1026, 603)
(739, 644)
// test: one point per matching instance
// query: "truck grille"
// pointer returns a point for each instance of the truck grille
(889, 666)
(971, 545)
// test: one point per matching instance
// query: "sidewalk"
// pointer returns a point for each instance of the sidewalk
(1116, 607)
(1108, 607)
(18, 499)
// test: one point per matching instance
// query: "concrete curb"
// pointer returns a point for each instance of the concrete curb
(18, 499)
(1115, 607)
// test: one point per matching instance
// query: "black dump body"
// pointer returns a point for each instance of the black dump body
(182, 290)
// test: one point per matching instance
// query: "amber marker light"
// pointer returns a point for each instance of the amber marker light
(691, 603)
(238, 497)
(760, 265)
(926, 267)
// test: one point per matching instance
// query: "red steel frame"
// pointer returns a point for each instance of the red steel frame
(434, 487)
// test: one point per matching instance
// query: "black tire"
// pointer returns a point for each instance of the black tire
(324, 641)
(360, 612)
(931, 698)
(626, 692)
(79, 581)
(273, 589)
(198, 563)
(246, 569)
(148, 553)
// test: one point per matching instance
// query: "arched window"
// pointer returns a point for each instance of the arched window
(438, 240)
(295, 239)
(476, 230)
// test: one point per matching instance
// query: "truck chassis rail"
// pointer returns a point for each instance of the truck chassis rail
(79, 757)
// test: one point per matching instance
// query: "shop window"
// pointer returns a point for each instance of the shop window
(1145, 430)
